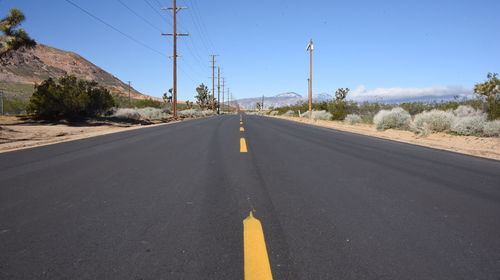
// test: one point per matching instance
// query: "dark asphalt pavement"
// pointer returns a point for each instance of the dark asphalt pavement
(168, 202)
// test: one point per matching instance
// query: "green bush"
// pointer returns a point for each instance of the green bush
(70, 99)
(338, 109)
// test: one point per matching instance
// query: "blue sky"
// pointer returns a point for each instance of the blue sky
(372, 45)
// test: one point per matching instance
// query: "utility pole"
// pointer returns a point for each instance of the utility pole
(218, 90)
(263, 102)
(310, 49)
(129, 101)
(223, 94)
(174, 56)
(213, 80)
(228, 100)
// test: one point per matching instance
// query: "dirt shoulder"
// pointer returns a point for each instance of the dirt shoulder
(20, 133)
(487, 147)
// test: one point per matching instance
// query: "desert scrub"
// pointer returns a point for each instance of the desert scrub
(150, 113)
(433, 121)
(189, 113)
(289, 113)
(352, 119)
(396, 118)
(492, 128)
(467, 111)
(317, 115)
(472, 125)
(206, 113)
(273, 113)
(127, 113)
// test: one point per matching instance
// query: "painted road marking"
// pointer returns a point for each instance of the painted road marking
(243, 145)
(256, 260)
(241, 122)
(242, 129)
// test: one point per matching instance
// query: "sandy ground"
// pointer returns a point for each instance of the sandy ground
(17, 133)
(488, 147)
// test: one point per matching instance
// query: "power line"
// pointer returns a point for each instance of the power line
(124, 34)
(114, 28)
(158, 13)
(139, 16)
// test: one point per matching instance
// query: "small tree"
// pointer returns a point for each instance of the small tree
(69, 98)
(338, 107)
(490, 90)
(13, 38)
(202, 97)
(189, 104)
(258, 106)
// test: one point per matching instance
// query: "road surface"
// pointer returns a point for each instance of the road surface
(169, 202)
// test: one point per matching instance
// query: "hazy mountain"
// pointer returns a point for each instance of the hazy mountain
(280, 100)
(20, 69)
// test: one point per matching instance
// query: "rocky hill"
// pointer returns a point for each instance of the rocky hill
(20, 69)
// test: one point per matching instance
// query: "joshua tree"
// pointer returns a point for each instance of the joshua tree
(490, 90)
(203, 97)
(13, 38)
(341, 93)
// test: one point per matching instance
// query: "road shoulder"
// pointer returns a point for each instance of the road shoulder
(486, 147)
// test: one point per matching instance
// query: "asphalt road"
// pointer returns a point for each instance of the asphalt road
(168, 202)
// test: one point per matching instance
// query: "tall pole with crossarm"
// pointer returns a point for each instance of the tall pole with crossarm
(174, 56)
(310, 49)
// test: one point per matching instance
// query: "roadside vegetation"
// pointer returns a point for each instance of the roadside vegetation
(479, 116)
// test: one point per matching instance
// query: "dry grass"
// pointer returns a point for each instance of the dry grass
(18, 133)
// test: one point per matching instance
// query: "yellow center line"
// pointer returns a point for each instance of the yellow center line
(243, 145)
(242, 129)
(256, 260)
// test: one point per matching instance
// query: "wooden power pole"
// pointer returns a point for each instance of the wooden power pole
(213, 80)
(310, 49)
(129, 100)
(222, 94)
(174, 56)
(218, 90)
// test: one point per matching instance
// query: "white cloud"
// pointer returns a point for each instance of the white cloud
(388, 94)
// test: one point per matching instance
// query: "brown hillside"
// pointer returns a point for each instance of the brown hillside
(37, 64)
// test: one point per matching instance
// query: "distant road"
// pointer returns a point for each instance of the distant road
(168, 202)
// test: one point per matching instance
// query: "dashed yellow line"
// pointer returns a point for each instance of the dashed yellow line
(256, 260)
(242, 129)
(243, 145)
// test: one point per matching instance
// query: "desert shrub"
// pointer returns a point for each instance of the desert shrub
(321, 115)
(472, 125)
(396, 118)
(69, 98)
(15, 106)
(273, 113)
(467, 111)
(352, 119)
(127, 113)
(432, 121)
(338, 109)
(492, 128)
(289, 113)
(206, 113)
(189, 113)
(149, 113)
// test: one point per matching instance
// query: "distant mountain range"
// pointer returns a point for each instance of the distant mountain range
(280, 100)
(20, 69)
(292, 98)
